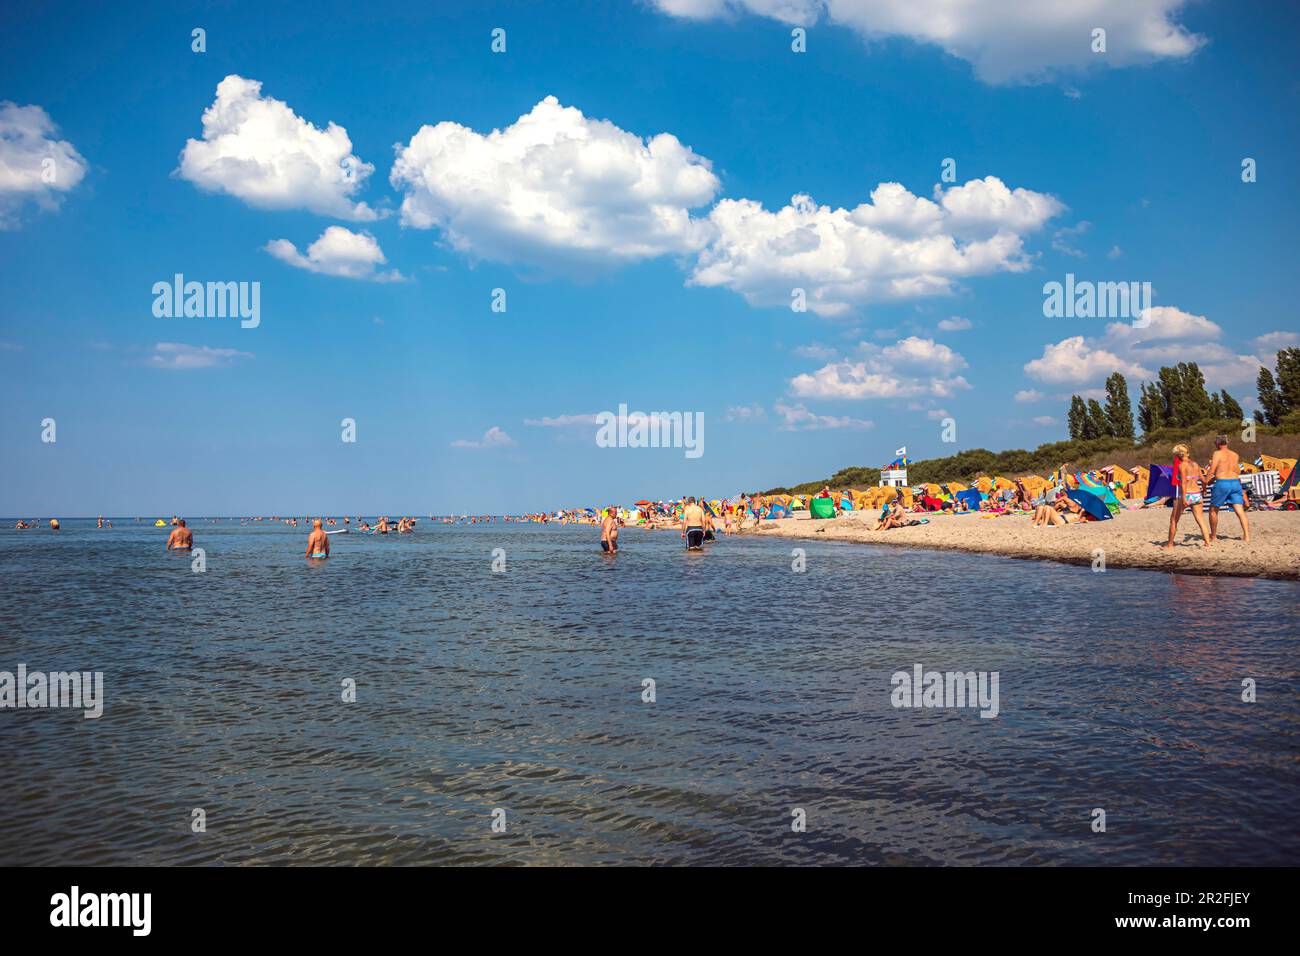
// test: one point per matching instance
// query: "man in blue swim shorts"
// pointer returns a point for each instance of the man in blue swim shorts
(1225, 471)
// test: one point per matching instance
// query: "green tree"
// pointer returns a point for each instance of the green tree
(1288, 379)
(1271, 404)
(1195, 405)
(1170, 387)
(1149, 409)
(1119, 410)
(1096, 421)
(1078, 414)
(1230, 407)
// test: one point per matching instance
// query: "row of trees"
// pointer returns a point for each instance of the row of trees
(1176, 399)
(1088, 420)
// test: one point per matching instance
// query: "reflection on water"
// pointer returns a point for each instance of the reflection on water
(523, 691)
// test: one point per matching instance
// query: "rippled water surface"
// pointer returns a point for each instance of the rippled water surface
(523, 691)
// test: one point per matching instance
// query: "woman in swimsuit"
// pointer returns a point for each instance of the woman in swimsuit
(1187, 481)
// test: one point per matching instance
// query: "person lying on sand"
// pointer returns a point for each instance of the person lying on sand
(1065, 511)
(897, 518)
(1187, 481)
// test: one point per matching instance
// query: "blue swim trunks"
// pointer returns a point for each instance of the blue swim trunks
(1226, 492)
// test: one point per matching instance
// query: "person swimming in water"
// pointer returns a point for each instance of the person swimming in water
(182, 538)
(318, 542)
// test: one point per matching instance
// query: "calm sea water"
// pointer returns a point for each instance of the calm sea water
(523, 691)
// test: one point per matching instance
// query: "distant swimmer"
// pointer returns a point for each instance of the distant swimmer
(1225, 472)
(609, 531)
(182, 538)
(693, 525)
(318, 542)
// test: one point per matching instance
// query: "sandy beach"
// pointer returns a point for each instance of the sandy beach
(1131, 540)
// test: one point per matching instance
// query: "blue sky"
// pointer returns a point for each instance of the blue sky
(651, 272)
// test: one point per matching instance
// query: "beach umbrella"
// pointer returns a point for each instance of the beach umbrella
(1004, 484)
(984, 484)
(642, 504)
(1090, 503)
(956, 486)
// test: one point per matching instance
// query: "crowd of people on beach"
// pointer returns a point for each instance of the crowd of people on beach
(1066, 498)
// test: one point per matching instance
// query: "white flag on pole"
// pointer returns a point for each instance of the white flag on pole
(901, 453)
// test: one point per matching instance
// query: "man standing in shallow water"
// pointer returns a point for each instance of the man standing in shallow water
(609, 531)
(693, 525)
(1225, 472)
(318, 542)
(182, 538)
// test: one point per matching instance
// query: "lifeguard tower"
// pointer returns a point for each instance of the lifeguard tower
(894, 475)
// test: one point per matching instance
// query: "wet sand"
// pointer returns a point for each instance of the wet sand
(1130, 540)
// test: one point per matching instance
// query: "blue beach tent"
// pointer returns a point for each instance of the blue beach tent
(1160, 483)
(1090, 503)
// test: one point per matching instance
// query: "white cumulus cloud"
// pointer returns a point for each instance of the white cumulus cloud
(564, 421)
(338, 252)
(35, 166)
(1170, 336)
(1005, 41)
(258, 149)
(799, 418)
(910, 367)
(897, 246)
(494, 437)
(556, 189)
(175, 356)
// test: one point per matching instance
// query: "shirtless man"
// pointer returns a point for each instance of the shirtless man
(182, 538)
(693, 525)
(609, 531)
(1225, 472)
(1187, 482)
(318, 542)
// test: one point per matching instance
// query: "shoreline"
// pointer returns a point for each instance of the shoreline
(1128, 541)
